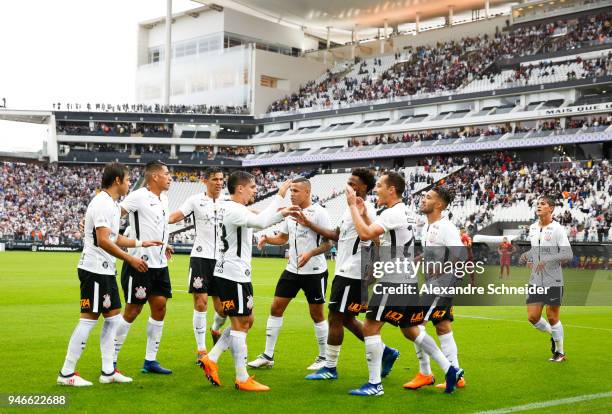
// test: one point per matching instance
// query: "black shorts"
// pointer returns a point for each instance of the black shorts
(236, 298)
(313, 285)
(438, 309)
(138, 287)
(346, 296)
(201, 272)
(553, 297)
(99, 293)
(401, 310)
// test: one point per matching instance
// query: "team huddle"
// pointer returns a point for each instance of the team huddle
(220, 267)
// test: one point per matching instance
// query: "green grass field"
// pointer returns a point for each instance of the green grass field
(504, 358)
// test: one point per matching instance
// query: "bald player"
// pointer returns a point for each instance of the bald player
(306, 271)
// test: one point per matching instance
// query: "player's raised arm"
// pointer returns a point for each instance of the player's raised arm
(277, 239)
(271, 214)
(175, 217)
(330, 234)
(366, 231)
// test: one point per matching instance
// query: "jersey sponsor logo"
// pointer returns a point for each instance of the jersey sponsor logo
(105, 265)
(356, 307)
(228, 305)
(199, 249)
(438, 314)
(247, 273)
(249, 303)
(85, 303)
(417, 317)
(197, 283)
(140, 292)
(547, 236)
(144, 257)
(106, 302)
(394, 316)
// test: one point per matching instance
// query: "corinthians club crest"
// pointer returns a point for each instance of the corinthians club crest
(107, 302)
(249, 303)
(197, 283)
(141, 292)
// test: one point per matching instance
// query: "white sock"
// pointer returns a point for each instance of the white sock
(429, 346)
(107, 342)
(77, 343)
(273, 327)
(449, 348)
(218, 322)
(374, 350)
(122, 330)
(424, 361)
(239, 353)
(222, 344)
(199, 329)
(557, 335)
(331, 355)
(543, 326)
(321, 330)
(154, 333)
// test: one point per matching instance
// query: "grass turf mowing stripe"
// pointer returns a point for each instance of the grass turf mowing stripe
(525, 321)
(551, 403)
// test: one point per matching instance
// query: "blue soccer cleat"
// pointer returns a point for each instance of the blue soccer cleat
(390, 355)
(453, 375)
(153, 367)
(323, 374)
(368, 390)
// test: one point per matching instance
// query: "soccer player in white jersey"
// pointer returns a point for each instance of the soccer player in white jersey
(444, 241)
(148, 215)
(207, 212)
(306, 270)
(232, 275)
(96, 269)
(346, 301)
(550, 248)
(395, 225)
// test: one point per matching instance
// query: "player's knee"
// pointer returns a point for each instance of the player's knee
(317, 315)
(533, 319)
(443, 328)
(553, 320)
(199, 303)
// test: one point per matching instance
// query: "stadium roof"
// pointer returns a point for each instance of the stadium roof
(345, 14)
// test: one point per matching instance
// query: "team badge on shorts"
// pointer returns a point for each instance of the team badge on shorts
(249, 303)
(141, 292)
(107, 302)
(197, 283)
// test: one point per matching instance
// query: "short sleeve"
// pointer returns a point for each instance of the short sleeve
(284, 228)
(388, 221)
(187, 207)
(103, 214)
(131, 201)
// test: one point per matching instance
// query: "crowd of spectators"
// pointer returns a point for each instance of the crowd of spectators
(446, 66)
(155, 108)
(120, 129)
(45, 202)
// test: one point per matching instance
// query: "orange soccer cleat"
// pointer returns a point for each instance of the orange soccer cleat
(211, 370)
(251, 385)
(420, 380)
(460, 384)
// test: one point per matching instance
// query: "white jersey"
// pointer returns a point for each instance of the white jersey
(208, 216)
(441, 242)
(549, 244)
(102, 211)
(397, 241)
(148, 221)
(348, 262)
(237, 238)
(302, 239)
